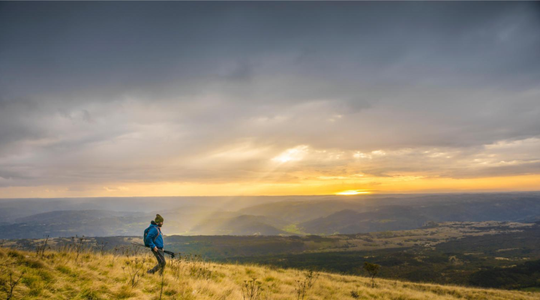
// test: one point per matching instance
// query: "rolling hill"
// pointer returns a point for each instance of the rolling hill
(263, 215)
(83, 275)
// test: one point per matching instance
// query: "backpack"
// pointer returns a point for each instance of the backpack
(146, 234)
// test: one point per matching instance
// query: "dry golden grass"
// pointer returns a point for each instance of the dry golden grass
(61, 275)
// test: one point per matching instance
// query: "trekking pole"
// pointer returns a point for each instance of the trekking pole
(172, 254)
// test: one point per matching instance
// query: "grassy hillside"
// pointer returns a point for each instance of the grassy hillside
(73, 274)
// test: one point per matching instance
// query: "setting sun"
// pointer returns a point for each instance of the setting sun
(352, 192)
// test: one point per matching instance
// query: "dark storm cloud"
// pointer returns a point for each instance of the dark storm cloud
(69, 48)
(82, 85)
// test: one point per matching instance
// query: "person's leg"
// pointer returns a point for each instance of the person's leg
(160, 262)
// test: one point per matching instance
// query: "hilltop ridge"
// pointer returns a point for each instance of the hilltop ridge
(76, 274)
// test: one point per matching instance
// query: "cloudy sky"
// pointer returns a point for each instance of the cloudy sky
(222, 98)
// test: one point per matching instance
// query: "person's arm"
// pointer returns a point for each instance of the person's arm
(152, 233)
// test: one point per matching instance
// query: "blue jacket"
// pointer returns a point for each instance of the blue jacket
(152, 234)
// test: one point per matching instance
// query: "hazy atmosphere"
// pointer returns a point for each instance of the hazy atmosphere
(308, 150)
(162, 99)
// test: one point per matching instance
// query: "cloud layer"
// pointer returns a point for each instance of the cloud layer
(101, 94)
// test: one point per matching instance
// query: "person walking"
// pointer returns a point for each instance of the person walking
(154, 239)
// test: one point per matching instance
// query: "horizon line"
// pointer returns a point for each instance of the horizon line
(314, 195)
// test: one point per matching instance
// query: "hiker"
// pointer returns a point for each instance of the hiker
(154, 239)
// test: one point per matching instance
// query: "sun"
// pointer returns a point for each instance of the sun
(353, 192)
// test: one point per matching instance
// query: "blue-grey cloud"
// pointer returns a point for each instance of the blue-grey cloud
(93, 91)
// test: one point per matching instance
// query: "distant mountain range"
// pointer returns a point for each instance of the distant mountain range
(324, 215)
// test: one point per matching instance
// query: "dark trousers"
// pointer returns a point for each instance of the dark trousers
(160, 256)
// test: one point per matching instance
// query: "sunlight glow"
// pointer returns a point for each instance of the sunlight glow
(353, 192)
(294, 154)
(265, 184)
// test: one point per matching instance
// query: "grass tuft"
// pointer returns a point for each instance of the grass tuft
(94, 276)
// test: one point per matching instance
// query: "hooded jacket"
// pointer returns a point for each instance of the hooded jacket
(154, 237)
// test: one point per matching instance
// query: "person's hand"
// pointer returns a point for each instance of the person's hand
(155, 249)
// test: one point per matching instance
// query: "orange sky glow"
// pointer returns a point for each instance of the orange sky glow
(231, 99)
(382, 185)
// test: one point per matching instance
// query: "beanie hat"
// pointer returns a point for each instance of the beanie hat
(159, 218)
